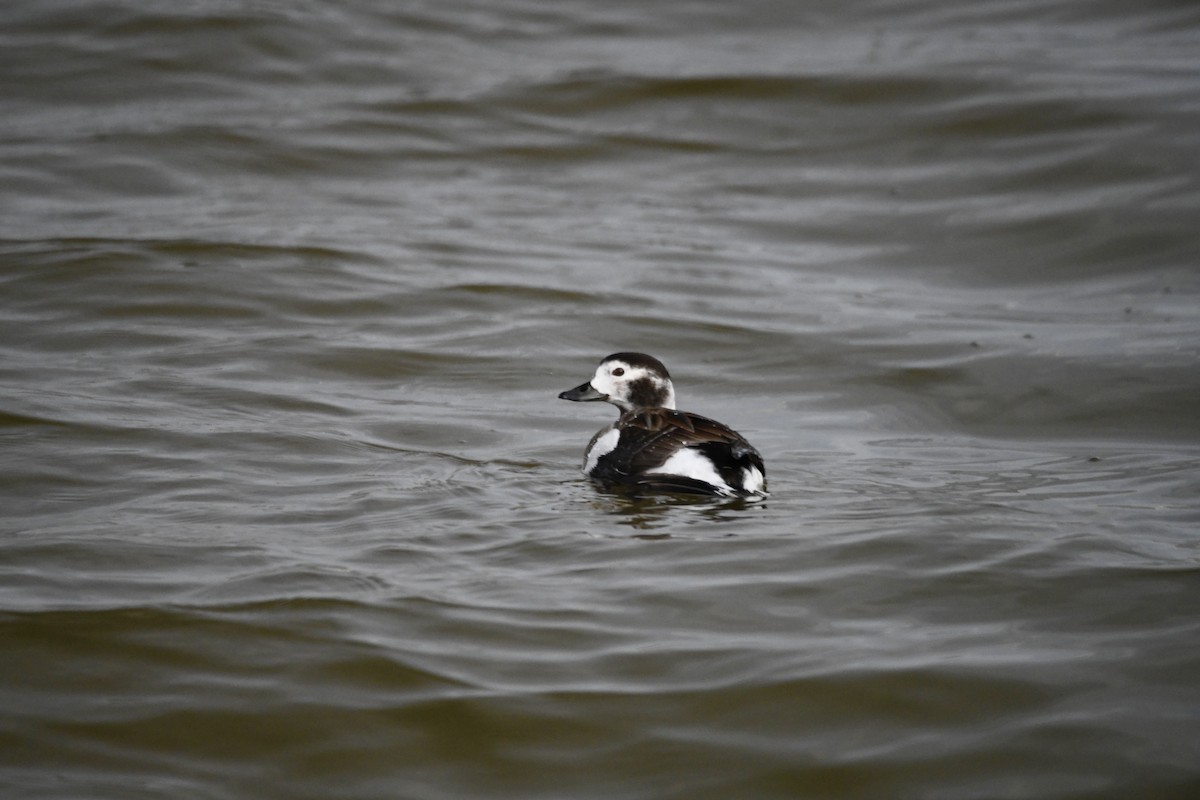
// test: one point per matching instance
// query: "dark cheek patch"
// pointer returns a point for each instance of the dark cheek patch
(644, 393)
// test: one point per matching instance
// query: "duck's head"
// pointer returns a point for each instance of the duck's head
(629, 381)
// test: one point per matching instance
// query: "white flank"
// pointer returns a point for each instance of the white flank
(692, 464)
(752, 480)
(601, 447)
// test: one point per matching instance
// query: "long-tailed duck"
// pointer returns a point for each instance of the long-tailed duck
(654, 447)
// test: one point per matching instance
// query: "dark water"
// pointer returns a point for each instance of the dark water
(289, 508)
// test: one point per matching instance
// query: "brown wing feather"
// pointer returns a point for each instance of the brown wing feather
(655, 434)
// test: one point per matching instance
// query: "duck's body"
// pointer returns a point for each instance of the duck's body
(654, 447)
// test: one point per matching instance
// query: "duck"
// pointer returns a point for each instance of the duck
(656, 448)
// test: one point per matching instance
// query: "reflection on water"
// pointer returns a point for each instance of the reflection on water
(290, 507)
(649, 513)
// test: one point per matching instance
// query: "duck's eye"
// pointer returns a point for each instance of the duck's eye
(618, 372)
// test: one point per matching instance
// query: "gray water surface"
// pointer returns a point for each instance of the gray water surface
(288, 505)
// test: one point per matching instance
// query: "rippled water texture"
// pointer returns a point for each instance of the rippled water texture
(288, 505)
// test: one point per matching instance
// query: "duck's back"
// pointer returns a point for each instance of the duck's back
(662, 449)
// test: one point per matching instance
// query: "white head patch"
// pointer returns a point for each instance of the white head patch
(630, 386)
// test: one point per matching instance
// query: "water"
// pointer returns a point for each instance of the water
(287, 292)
